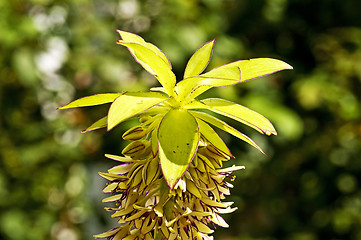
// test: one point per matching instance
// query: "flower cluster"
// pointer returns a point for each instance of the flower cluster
(146, 206)
(169, 183)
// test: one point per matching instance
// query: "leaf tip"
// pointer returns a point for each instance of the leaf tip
(87, 130)
(260, 149)
(119, 32)
(62, 107)
(289, 67)
(170, 185)
(109, 125)
(270, 132)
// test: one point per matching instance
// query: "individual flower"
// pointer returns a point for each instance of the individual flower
(169, 183)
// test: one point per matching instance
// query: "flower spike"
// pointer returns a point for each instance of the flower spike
(169, 182)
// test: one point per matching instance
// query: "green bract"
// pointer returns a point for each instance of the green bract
(178, 139)
(175, 136)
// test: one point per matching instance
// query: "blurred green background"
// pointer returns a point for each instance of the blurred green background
(51, 52)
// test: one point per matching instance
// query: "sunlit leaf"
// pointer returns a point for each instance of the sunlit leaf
(154, 64)
(230, 74)
(178, 138)
(131, 37)
(192, 87)
(101, 123)
(249, 69)
(92, 100)
(199, 60)
(130, 104)
(208, 133)
(236, 112)
(225, 127)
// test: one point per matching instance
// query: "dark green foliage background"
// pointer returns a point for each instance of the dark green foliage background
(52, 52)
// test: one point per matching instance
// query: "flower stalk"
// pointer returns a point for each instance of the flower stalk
(169, 182)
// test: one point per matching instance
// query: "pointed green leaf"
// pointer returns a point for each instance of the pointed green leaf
(249, 69)
(131, 104)
(192, 87)
(92, 100)
(229, 74)
(131, 37)
(236, 112)
(154, 64)
(225, 127)
(178, 139)
(199, 60)
(101, 123)
(211, 136)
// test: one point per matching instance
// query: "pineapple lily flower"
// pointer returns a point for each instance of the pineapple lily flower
(169, 183)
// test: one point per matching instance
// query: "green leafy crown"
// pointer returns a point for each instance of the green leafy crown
(178, 126)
